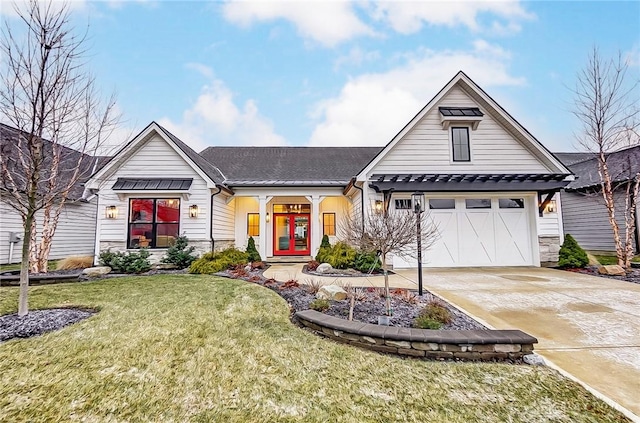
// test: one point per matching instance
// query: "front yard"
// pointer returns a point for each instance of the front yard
(202, 348)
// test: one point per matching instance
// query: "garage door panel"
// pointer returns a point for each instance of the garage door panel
(446, 249)
(513, 245)
(477, 238)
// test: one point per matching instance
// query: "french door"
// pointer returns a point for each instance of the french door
(291, 234)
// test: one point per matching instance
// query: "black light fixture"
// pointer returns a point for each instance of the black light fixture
(194, 210)
(111, 212)
(417, 199)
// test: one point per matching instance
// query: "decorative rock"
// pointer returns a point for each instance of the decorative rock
(247, 268)
(506, 348)
(533, 360)
(399, 344)
(612, 270)
(96, 271)
(324, 268)
(164, 266)
(331, 292)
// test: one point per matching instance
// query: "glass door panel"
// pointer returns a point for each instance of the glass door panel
(282, 234)
(301, 231)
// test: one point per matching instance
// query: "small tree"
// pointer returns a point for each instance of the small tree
(571, 255)
(180, 253)
(393, 232)
(252, 251)
(606, 104)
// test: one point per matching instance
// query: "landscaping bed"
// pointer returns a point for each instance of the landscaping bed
(633, 275)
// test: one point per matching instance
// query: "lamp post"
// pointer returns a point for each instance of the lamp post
(417, 199)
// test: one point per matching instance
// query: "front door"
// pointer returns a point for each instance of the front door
(291, 234)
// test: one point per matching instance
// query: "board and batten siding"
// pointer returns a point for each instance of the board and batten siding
(74, 236)
(585, 217)
(427, 147)
(155, 159)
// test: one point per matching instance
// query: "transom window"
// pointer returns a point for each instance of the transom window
(442, 204)
(511, 203)
(477, 203)
(253, 224)
(403, 204)
(153, 222)
(460, 142)
(329, 224)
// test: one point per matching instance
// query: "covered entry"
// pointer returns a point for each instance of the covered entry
(292, 229)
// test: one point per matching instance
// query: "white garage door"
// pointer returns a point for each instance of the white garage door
(478, 231)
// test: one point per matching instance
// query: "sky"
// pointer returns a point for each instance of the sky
(335, 73)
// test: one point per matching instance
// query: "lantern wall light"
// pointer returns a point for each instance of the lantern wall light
(194, 210)
(111, 212)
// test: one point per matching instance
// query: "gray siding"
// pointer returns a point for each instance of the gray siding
(585, 218)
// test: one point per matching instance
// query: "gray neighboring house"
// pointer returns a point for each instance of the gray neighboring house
(584, 214)
(75, 233)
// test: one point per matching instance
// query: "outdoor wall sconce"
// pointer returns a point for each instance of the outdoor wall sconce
(551, 207)
(268, 218)
(193, 210)
(378, 206)
(112, 212)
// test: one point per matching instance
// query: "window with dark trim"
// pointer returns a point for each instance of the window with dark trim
(329, 224)
(460, 142)
(153, 222)
(511, 203)
(253, 224)
(442, 204)
(403, 204)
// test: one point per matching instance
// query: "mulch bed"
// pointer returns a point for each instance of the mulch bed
(633, 275)
(38, 322)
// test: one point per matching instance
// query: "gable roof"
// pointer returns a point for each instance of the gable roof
(573, 157)
(301, 166)
(206, 170)
(503, 118)
(12, 140)
(622, 164)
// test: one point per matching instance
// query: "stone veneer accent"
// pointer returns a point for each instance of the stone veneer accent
(461, 344)
(549, 248)
(156, 254)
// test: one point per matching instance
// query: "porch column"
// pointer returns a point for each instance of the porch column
(263, 226)
(316, 225)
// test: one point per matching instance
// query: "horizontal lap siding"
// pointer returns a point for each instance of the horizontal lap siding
(586, 219)
(426, 148)
(549, 224)
(223, 218)
(156, 159)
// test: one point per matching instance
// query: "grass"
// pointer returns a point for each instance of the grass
(201, 348)
(606, 260)
(16, 266)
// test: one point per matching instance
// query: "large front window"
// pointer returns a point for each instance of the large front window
(153, 222)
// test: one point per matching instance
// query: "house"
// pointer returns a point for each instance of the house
(75, 233)
(584, 213)
(487, 181)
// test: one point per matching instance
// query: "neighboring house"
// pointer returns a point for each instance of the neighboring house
(584, 213)
(486, 178)
(75, 233)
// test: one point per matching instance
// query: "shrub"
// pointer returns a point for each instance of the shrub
(340, 256)
(325, 248)
(291, 283)
(435, 311)
(424, 322)
(312, 285)
(319, 305)
(252, 251)
(366, 262)
(126, 262)
(258, 265)
(214, 262)
(571, 255)
(179, 254)
(75, 262)
(325, 242)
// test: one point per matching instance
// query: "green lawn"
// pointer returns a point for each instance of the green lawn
(16, 266)
(605, 260)
(201, 348)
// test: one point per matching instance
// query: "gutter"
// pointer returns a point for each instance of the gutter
(211, 216)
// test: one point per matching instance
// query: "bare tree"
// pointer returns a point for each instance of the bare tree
(606, 103)
(390, 232)
(47, 94)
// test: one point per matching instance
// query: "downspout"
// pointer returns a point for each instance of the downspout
(637, 231)
(361, 203)
(211, 216)
(96, 248)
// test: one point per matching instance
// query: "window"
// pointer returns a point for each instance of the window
(442, 203)
(153, 223)
(329, 224)
(511, 203)
(403, 204)
(460, 141)
(253, 224)
(477, 203)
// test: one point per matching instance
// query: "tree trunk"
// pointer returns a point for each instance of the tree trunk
(608, 195)
(23, 302)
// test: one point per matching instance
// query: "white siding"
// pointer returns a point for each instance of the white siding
(223, 218)
(155, 159)
(550, 223)
(75, 233)
(427, 147)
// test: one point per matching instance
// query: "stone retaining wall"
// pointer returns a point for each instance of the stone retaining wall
(462, 344)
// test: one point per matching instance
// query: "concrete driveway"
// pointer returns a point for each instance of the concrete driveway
(586, 325)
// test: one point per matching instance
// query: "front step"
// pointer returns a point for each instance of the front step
(288, 259)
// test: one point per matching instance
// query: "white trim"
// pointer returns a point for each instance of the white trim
(123, 195)
(470, 121)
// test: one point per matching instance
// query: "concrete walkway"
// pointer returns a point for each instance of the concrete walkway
(587, 326)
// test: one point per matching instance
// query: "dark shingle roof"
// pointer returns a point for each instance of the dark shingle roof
(622, 165)
(13, 140)
(569, 159)
(460, 111)
(208, 168)
(289, 165)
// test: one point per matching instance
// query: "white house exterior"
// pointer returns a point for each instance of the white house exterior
(486, 180)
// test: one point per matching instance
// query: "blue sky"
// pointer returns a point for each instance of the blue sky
(339, 73)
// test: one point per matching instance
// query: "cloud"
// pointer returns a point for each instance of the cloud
(372, 108)
(356, 57)
(9, 7)
(216, 119)
(327, 23)
(409, 17)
